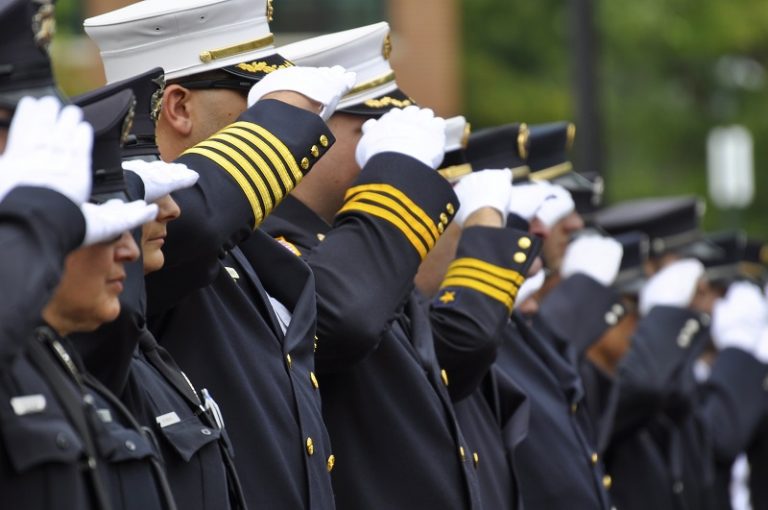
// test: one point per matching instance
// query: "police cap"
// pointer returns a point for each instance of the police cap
(26, 30)
(111, 118)
(188, 37)
(366, 51)
(148, 89)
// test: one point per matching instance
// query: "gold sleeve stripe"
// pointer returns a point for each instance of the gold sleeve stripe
(250, 153)
(399, 195)
(246, 186)
(281, 148)
(506, 274)
(277, 162)
(247, 167)
(506, 298)
(465, 272)
(387, 215)
(413, 222)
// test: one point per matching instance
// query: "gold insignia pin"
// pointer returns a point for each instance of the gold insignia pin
(448, 297)
(44, 23)
(128, 123)
(386, 50)
(156, 102)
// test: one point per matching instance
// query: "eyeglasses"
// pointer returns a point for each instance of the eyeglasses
(239, 85)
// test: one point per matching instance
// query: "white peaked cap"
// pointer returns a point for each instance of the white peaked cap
(183, 37)
(365, 51)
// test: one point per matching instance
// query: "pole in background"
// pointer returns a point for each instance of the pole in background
(584, 68)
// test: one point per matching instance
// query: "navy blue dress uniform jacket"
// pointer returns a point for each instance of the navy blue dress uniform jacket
(731, 407)
(757, 455)
(209, 307)
(197, 455)
(577, 312)
(38, 228)
(64, 442)
(467, 316)
(395, 438)
(127, 359)
(657, 452)
(557, 464)
(495, 415)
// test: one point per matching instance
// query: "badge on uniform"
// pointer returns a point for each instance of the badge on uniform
(28, 404)
(167, 419)
(446, 298)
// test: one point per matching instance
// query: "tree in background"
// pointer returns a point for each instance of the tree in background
(670, 70)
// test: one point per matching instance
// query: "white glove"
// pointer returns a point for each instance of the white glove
(161, 178)
(556, 206)
(326, 85)
(527, 198)
(595, 256)
(413, 131)
(50, 147)
(739, 318)
(675, 285)
(530, 286)
(761, 349)
(106, 221)
(487, 188)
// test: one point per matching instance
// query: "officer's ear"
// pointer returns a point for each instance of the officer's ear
(539, 228)
(176, 109)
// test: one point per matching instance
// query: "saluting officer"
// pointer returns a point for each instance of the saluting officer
(62, 449)
(370, 229)
(126, 356)
(666, 433)
(467, 323)
(232, 306)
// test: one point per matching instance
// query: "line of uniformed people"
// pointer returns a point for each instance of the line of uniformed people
(335, 304)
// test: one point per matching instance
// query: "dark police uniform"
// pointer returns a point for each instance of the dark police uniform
(657, 453)
(668, 434)
(467, 315)
(385, 401)
(213, 314)
(757, 455)
(578, 311)
(126, 358)
(728, 406)
(494, 415)
(42, 455)
(557, 463)
(197, 457)
(128, 463)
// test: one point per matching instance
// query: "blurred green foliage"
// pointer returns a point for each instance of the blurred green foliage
(327, 16)
(670, 70)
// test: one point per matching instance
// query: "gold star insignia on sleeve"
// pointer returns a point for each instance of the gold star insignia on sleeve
(448, 297)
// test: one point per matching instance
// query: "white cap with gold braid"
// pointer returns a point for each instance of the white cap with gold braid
(183, 37)
(365, 51)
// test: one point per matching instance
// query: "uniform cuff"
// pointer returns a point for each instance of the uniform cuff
(406, 193)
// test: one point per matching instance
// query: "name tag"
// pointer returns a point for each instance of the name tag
(28, 404)
(167, 419)
(232, 273)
